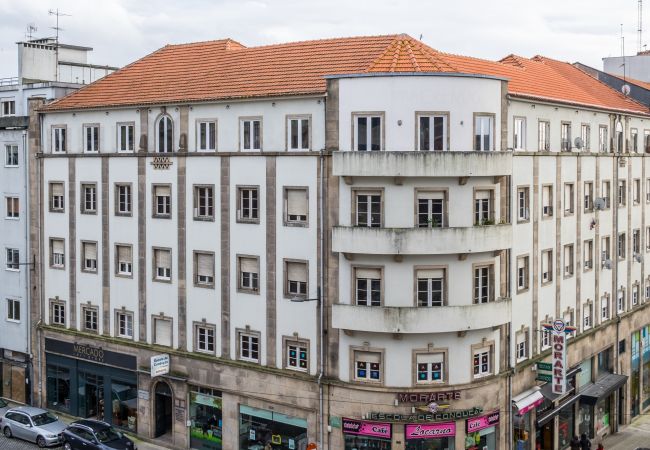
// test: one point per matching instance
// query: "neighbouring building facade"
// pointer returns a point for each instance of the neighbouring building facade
(352, 242)
(15, 351)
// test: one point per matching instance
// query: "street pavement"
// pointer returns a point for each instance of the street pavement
(635, 435)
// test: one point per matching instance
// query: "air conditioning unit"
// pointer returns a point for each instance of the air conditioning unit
(607, 264)
(547, 210)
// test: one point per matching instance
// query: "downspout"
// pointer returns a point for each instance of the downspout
(617, 159)
(29, 267)
(38, 162)
(321, 302)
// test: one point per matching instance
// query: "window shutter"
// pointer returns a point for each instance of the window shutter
(369, 357)
(57, 189)
(124, 253)
(57, 246)
(431, 273)
(91, 251)
(482, 194)
(163, 259)
(163, 191)
(204, 264)
(163, 332)
(297, 202)
(297, 271)
(424, 195)
(363, 272)
(248, 265)
(431, 358)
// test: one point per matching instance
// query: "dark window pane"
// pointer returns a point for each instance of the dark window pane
(424, 133)
(305, 134)
(438, 132)
(294, 134)
(376, 133)
(362, 133)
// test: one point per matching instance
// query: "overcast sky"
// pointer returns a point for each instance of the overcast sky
(121, 31)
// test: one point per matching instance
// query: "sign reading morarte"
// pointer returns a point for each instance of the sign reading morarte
(427, 397)
(90, 353)
(449, 414)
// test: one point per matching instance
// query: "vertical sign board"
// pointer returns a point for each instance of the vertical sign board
(559, 357)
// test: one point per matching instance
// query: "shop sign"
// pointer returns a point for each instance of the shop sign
(450, 414)
(559, 357)
(430, 431)
(90, 353)
(143, 394)
(365, 428)
(427, 397)
(481, 423)
(160, 365)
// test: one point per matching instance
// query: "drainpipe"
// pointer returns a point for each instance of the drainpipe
(321, 302)
(28, 349)
(39, 332)
(617, 160)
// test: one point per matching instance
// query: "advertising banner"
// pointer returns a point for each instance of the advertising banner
(480, 423)
(430, 431)
(365, 428)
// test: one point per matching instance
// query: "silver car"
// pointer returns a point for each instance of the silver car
(4, 406)
(33, 425)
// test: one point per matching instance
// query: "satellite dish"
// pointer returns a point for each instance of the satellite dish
(625, 89)
(578, 142)
(599, 203)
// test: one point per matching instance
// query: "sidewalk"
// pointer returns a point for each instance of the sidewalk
(635, 435)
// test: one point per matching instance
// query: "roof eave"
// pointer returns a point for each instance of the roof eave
(552, 100)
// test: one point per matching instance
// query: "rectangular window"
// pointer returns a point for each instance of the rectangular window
(432, 132)
(368, 133)
(547, 201)
(91, 138)
(607, 193)
(204, 338)
(56, 197)
(431, 287)
(249, 347)
(368, 208)
(12, 260)
(634, 138)
(605, 250)
(57, 313)
(8, 107)
(622, 192)
(603, 145)
(636, 242)
(636, 191)
(519, 134)
(430, 368)
(547, 266)
(568, 260)
(483, 284)
(647, 239)
(203, 203)
(123, 199)
(622, 241)
(162, 264)
(523, 204)
(589, 196)
(367, 286)
(565, 136)
(89, 198)
(57, 253)
(251, 134)
(635, 294)
(543, 135)
(124, 321)
(89, 257)
(585, 134)
(604, 308)
(620, 301)
(125, 137)
(58, 139)
(204, 272)
(296, 208)
(521, 345)
(248, 204)
(13, 310)
(367, 366)
(588, 254)
(483, 207)
(568, 198)
(647, 190)
(11, 156)
(587, 313)
(90, 318)
(162, 201)
(483, 133)
(298, 129)
(124, 264)
(646, 141)
(13, 208)
(481, 362)
(206, 136)
(545, 341)
(249, 273)
(297, 356)
(295, 276)
(523, 272)
(162, 331)
(431, 209)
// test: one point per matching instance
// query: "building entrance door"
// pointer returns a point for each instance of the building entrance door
(163, 409)
(545, 437)
(91, 396)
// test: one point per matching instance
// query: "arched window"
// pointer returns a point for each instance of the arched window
(165, 135)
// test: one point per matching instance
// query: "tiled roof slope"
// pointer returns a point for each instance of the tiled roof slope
(225, 69)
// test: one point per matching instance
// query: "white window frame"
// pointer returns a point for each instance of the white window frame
(543, 136)
(206, 129)
(13, 310)
(12, 157)
(248, 143)
(126, 145)
(124, 323)
(430, 363)
(123, 200)
(482, 273)
(587, 316)
(248, 342)
(301, 350)
(124, 268)
(12, 259)
(519, 133)
(585, 134)
(162, 273)
(523, 204)
(250, 213)
(7, 108)
(370, 143)
(432, 137)
(299, 123)
(164, 209)
(479, 370)
(203, 202)
(605, 309)
(164, 144)
(57, 311)
(12, 206)
(371, 367)
(206, 337)
(430, 292)
(92, 313)
(59, 139)
(89, 198)
(91, 138)
(481, 121)
(86, 267)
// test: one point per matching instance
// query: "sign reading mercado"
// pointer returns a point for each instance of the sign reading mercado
(559, 330)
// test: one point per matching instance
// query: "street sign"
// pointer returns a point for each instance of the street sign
(544, 377)
(545, 366)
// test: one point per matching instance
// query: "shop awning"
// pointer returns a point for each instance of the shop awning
(541, 420)
(602, 387)
(527, 400)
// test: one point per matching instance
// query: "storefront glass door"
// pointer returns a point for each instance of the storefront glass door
(91, 396)
(635, 379)
(260, 429)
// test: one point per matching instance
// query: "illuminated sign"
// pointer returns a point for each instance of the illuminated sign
(427, 397)
(443, 415)
(558, 330)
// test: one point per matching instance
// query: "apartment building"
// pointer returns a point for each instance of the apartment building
(37, 78)
(351, 242)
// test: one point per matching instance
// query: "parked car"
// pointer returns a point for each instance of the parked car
(95, 435)
(33, 425)
(4, 407)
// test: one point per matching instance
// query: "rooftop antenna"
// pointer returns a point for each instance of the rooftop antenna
(640, 24)
(57, 13)
(420, 36)
(31, 29)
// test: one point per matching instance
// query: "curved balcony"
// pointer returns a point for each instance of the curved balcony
(422, 164)
(411, 319)
(421, 241)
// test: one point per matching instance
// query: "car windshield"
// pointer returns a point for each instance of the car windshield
(107, 435)
(43, 419)
(2, 403)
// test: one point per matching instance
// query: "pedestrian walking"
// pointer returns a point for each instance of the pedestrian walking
(575, 443)
(585, 443)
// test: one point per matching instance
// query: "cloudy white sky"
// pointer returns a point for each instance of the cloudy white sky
(121, 31)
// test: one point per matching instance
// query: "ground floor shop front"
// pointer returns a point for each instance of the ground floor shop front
(14, 376)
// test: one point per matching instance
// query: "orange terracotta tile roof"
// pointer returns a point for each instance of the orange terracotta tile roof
(225, 69)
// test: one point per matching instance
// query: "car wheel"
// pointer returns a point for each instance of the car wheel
(67, 446)
(40, 441)
(7, 432)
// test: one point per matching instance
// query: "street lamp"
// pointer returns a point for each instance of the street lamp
(297, 299)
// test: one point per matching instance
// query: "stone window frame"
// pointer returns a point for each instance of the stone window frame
(588, 208)
(565, 274)
(544, 332)
(586, 267)
(12, 198)
(88, 307)
(381, 191)
(51, 208)
(285, 206)
(65, 140)
(608, 298)
(287, 129)
(82, 260)
(492, 197)
(636, 286)
(161, 316)
(587, 306)
(353, 349)
(116, 314)
(608, 199)
(156, 141)
(447, 127)
(240, 288)
(526, 287)
(295, 340)
(248, 332)
(195, 264)
(195, 203)
(636, 200)
(491, 279)
(154, 201)
(572, 203)
(82, 198)
(416, 268)
(354, 115)
(493, 131)
(51, 253)
(491, 359)
(116, 246)
(197, 124)
(118, 125)
(61, 303)
(551, 214)
(543, 252)
(154, 268)
(285, 275)
(116, 193)
(526, 188)
(84, 127)
(353, 284)
(238, 200)
(195, 341)
(240, 121)
(587, 142)
(430, 350)
(423, 190)
(525, 332)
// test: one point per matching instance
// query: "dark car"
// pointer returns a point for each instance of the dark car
(95, 435)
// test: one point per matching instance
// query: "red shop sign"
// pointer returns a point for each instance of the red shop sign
(430, 430)
(479, 423)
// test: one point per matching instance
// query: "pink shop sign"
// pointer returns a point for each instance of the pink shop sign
(430, 431)
(479, 423)
(365, 428)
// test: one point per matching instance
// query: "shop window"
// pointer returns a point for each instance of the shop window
(368, 209)
(297, 355)
(430, 287)
(204, 338)
(56, 197)
(204, 269)
(162, 328)
(483, 284)
(206, 135)
(251, 134)
(123, 199)
(57, 253)
(89, 257)
(89, 198)
(91, 138)
(90, 317)
(298, 133)
(58, 388)
(162, 201)
(203, 202)
(124, 260)
(248, 269)
(262, 428)
(295, 279)
(162, 258)
(57, 313)
(296, 206)
(124, 324)
(125, 137)
(481, 362)
(432, 132)
(249, 346)
(124, 397)
(367, 132)
(206, 418)
(430, 368)
(367, 286)
(248, 208)
(367, 366)
(431, 209)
